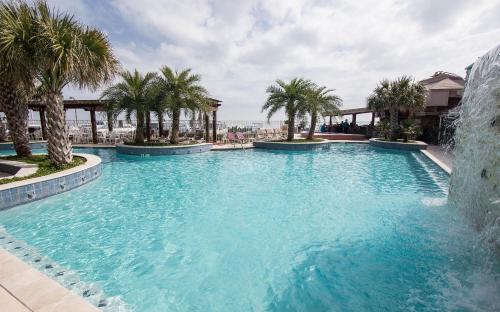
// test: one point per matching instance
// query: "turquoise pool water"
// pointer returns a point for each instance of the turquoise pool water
(352, 228)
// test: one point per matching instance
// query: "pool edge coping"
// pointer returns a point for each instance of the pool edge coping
(17, 279)
(438, 162)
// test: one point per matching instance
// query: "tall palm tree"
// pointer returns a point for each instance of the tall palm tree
(71, 53)
(181, 91)
(320, 100)
(394, 96)
(290, 96)
(131, 94)
(18, 59)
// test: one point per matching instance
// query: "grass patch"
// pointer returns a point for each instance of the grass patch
(45, 166)
(158, 144)
(299, 141)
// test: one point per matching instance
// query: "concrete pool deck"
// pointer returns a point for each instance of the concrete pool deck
(25, 289)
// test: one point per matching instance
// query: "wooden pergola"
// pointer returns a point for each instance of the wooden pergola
(354, 112)
(94, 106)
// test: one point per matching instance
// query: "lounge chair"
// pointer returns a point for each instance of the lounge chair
(241, 137)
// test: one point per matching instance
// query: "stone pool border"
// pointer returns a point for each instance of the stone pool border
(306, 146)
(414, 146)
(24, 288)
(25, 191)
(163, 150)
(438, 162)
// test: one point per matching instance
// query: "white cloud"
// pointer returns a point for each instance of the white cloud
(240, 47)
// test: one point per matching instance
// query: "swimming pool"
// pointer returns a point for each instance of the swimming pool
(349, 228)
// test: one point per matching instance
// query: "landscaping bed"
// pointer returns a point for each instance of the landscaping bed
(45, 166)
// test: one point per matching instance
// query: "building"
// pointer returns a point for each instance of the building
(444, 92)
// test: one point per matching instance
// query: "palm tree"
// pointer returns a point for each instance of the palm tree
(71, 53)
(400, 94)
(290, 96)
(181, 91)
(131, 95)
(320, 100)
(18, 60)
(112, 110)
(158, 106)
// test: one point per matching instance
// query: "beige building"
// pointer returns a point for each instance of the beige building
(445, 90)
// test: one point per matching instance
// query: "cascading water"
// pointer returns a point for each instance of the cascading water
(474, 185)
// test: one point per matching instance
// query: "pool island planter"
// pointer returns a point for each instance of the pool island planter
(163, 150)
(409, 146)
(25, 191)
(288, 146)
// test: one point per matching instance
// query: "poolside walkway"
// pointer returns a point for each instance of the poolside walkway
(25, 289)
(440, 155)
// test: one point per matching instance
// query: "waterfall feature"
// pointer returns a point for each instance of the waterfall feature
(474, 185)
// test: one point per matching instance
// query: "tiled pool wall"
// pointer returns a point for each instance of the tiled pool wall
(292, 146)
(163, 150)
(34, 191)
(417, 146)
(33, 145)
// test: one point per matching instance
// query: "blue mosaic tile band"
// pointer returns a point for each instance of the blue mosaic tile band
(27, 193)
(33, 145)
(398, 146)
(159, 151)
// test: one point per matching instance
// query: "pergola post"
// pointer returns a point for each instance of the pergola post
(214, 125)
(43, 123)
(207, 128)
(330, 120)
(354, 119)
(94, 125)
(373, 119)
(148, 126)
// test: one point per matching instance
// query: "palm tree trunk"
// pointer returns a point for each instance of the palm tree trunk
(291, 126)
(148, 125)
(174, 136)
(314, 118)
(59, 145)
(110, 121)
(17, 118)
(139, 131)
(2, 131)
(160, 125)
(394, 123)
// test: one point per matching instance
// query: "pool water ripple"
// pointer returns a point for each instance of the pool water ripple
(348, 228)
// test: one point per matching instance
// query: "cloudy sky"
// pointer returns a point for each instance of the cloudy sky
(240, 47)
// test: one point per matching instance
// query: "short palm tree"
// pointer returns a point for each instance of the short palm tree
(18, 63)
(112, 110)
(320, 100)
(71, 53)
(131, 95)
(290, 96)
(400, 94)
(181, 91)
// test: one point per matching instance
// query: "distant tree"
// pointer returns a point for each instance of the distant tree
(291, 96)
(131, 95)
(320, 100)
(400, 94)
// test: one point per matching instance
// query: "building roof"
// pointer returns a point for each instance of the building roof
(443, 81)
(445, 84)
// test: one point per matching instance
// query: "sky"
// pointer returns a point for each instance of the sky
(241, 47)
